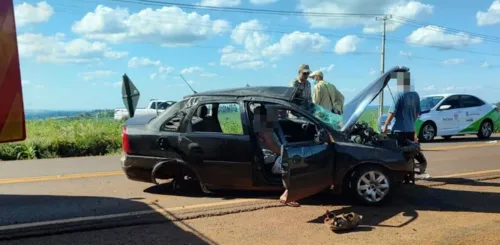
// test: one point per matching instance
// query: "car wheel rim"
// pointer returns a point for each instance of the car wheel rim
(486, 129)
(373, 186)
(428, 132)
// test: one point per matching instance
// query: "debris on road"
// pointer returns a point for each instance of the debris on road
(342, 222)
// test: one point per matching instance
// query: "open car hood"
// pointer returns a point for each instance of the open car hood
(356, 107)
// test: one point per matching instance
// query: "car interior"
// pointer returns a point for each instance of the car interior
(290, 129)
(205, 120)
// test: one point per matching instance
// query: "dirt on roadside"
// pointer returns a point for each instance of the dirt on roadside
(464, 213)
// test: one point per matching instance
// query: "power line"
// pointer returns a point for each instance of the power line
(447, 29)
(246, 10)
(288, 32)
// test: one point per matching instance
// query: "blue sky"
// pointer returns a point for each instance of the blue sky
(73, 53)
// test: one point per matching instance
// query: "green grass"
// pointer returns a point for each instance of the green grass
(65, 138)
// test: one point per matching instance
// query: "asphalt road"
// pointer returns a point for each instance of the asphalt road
(93, 188)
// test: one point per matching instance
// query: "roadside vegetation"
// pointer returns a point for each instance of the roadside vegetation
(51, 138)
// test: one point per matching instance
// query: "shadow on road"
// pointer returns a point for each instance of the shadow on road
(166, 189)
(409, 200)
(438, 140)
(18, 213)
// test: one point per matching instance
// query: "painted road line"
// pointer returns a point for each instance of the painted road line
(445, 148)
(60, 177)
(492, 171)
(155, 210)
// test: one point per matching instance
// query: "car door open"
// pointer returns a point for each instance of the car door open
(307, 165)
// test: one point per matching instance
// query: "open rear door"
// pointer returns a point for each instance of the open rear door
(12, 119)
(308, 169)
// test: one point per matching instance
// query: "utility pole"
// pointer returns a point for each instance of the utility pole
(382, 65)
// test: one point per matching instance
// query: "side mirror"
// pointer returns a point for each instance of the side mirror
(444, 107)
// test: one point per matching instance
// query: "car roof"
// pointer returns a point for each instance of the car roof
(432, 95)
(274, 92)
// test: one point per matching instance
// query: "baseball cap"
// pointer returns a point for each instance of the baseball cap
(316, 73)
(304, 68)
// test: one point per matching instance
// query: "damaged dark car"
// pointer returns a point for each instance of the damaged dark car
(209, 138)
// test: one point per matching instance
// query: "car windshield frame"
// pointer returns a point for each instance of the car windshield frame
(435, 100)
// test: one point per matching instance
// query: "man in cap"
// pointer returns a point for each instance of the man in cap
(303, 85)
(326, 94)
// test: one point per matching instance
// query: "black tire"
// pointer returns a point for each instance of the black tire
(446, 137)
(485, 130)
(385, 186)
(426, 136)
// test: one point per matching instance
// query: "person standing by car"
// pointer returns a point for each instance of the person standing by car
(304, 86)
(405, 110)
(326, 94)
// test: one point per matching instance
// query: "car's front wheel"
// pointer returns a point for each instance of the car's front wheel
(485, 130)
(371, 185)
(427, 132)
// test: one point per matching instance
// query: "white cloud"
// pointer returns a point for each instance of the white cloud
(193, 69)
(347, 44)
(372, 72)
(491, 17)
(212, 64)
(257, 46)
(91, 75)
(405, 53)
(250, 34)
(485, 65)
(454, 61)
(139, 62)
(143, 62)
(296, 42)
(208, 75)
(435, 36)
(39, 86)
(262, 2)
(115, 55)
(168, 26)
(327, 69)
(30, 14)
(55, 49)
(25, 82)
(410, 10)
(403, 8)
(153, 76)
(235, 58)
(220, 3)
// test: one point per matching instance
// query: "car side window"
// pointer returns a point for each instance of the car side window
(453, 101)
(173, 124)
(227, 121)
(470, 101)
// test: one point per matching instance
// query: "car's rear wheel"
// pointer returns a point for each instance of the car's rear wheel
(427, 132)
(371, 185)
(485, 130)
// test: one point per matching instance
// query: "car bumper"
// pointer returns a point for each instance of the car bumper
(137, 169)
